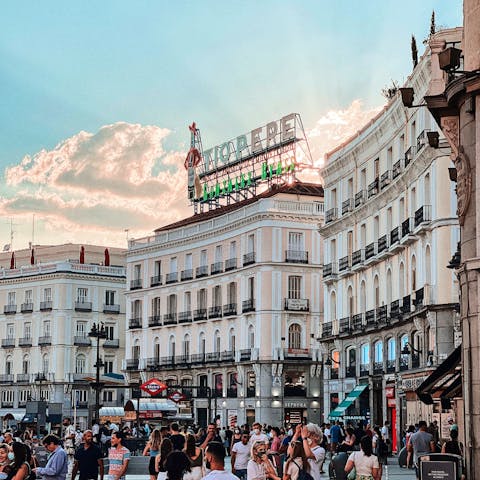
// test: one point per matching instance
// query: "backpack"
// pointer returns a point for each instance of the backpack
(302, 473)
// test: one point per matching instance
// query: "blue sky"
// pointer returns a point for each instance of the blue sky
(69, 67)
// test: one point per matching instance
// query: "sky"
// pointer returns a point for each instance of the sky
(96, 97)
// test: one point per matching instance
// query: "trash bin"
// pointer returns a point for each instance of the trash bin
(443, 466)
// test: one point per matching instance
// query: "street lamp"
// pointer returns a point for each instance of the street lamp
(407, 347)
(98, 332)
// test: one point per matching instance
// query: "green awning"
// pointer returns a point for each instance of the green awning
(347, 401)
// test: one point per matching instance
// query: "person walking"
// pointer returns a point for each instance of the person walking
(195, 456)
(88, 459)
(215, 462)
(57, 464)
(365, 463)
(118, 457)
(240, 456)
(177, 439)
(166, 448)
(421, 443)
(177, 465)
(453, 445)
(152, 449)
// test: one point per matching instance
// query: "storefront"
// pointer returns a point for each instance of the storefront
(159, 410)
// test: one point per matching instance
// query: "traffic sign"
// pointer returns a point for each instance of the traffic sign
(177, 396)
(153, 386)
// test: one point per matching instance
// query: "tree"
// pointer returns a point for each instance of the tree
(414, 52)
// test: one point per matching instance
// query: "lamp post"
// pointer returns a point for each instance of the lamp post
(99, 333)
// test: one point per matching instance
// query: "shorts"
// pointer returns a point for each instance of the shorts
(151, 466)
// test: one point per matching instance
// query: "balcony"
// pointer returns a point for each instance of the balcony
(216, 267)
(23, 377)
(231, 393)
(171, 277)
(357, 257)
(385, 179)
(26, 307)
(406, 305)
(197, 358)
(248, 259)
(296, 256)
(40, 377)
(378, 368)
(381, 314)
(182, 360)
(6, 378)
(350, 371)
(45, 306)
(168, 361)
(185, 317)
(397, 169)
(394, 236)
(296, 353)
(9, 309)
(330, 270)
(331, 215)
(132, 364)
(419, 297)
(297, 304)
(230, 264)
(155, 281)
(186, 275)
(82, 341)
(82, 306)
(25, 342)
(370, 251)
(390, 366)
(364, 369)
(114, 308)
(347, 206)
(45, 340)
(170, 318)
(200, 314)
(422, 140)
(229, 309)
(359, 198)
(215, 312)
(344, 263)
(373, 188)
(245, 355)
(212, 357)
(111, 343)
(201, 271)
(370, 319)
(8, 342)
(344, 325)
(423, 215)
(382, 244)
(227, 356)
(248, 305)
(409, 155)
(135, 284)
(135, 322)
(327, 329)
(155, 321)
(357, 322)
(395, 309)
(406, 227)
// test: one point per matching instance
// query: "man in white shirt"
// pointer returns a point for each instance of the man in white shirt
(257, 435)
(241, 456)
(215, 462)
(385, 431)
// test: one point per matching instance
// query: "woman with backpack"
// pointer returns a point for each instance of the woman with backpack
(453, 445)
(296, 463)
(365, 462)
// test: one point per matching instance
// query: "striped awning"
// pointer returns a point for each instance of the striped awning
(347, 401)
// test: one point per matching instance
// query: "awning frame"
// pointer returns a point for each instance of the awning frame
(348, 401)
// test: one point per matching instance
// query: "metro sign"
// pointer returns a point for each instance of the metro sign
(177, 396)
(153, 386)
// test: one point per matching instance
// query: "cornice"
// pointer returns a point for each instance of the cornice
(61, 275)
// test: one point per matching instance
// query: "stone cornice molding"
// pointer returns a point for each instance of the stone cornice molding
(61, 276)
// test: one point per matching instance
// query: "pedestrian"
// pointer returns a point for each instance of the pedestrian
(385, 431)
(57, 464)
(257, 434)
(275, 445)
(5, 467)
(8, 438)
(365, 463)
(195, 456)
(453, 445)
(259, 466)
(310, 436)
(177, 439)
(335, 436)
(228, 442)
(166, 448)
(408, 435)
(152, 448)
(349, 443)
(421, 443)
(240, 456)
(215, 462)
(118, 457)
(380, 448)
(177, 465)
(88, 459)
(69, 437)
(211, 435)
(296, 462)
(20, 465)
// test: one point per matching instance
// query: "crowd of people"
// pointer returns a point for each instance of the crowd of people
(297, 452)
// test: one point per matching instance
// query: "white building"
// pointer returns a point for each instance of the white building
(231, 300)
(49, 304)
(390, 231)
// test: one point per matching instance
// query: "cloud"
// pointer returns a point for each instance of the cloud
(93, 186)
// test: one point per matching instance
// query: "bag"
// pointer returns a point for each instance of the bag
(302, 473)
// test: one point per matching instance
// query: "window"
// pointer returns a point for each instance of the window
(216, 342)
(376, 291)
(28, 296)
(218, 254)
(218, 380)
(389, 220)
(186, 346)
(233, 249)
(376, 168)
(294, 287)
(333, 198)
(217, 296)
(11, 298)
(251, 243)
(413, 133)
(365, 354)
(24, 397)
(188, 261)
(376, 227)
(82, 295)
(378, 350)
(231, 342)
(136, 350)
(202, 299)
(109, 297)
(45, 364)
(295, 336)
(27, 330)
(110, 331)
(80, 363)
(232, 293)
(157, 268)
(156, 306)
(81, 329)
(202, 344)
(350, 188)
(171, 346)
(10, 331)
(389, 157)
(107, 395)
(79, 397)
(363, 235)
(389, 286)
(137, 271)
(173, 265)
(9, 365)
(333, 250)
(156, 348)
(333, 306)
(251, 337)
(363, 179)
(350, 301)
(203, 258)
(108, 365)
(349, 243)
(47, 294)
(391, 350)
(251, 288)
(46, 328)
(137, 309)
(172, 304)
(295, 241)
(7, 396)
(426, 190)
(187, 301)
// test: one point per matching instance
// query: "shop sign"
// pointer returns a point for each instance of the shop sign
(153, 386)
(295, 405)
(177, 396)
(297, 304)
(391, 403)
(390, 392)
(130, 415)
(438, 470)
(150, 414)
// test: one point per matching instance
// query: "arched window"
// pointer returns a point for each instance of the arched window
(403, 356)
(414, 273)
(365, 356)
(333, 306)
(156, 348)
(295, 336)
(45, 363)
(80, 364)
(350, 304)
(351, 355)
(186, 346)
(251, 337)
(376, 292)
(218, 382)
(26, 365)
(389, 286)
(136, 349)
(171, 346)
(401, 281)
(216, 342)
(378, 352)
(9, 365)
(428, 266)
(231, 341)
(232, 385)
(201, 343)
(363, 297)
(426, 188)
(391, 351)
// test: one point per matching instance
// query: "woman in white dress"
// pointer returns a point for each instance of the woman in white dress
(365, 462)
